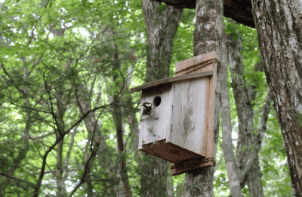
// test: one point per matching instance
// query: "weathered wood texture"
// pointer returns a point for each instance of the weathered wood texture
(279, 28)
(181, 118)
(197, 64)
(180, 127)
(191, 165)
(170, 152)
(154, 127)
(189, 126)
(202, 64)
(238, 10)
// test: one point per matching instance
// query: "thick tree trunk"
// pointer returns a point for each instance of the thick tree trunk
(162, 23)
(207, 37)
(227, 142)
(279, 27)
(243, 98)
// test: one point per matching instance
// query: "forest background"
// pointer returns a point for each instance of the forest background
(69, 125)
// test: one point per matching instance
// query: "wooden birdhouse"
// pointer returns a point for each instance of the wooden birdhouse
(177, 115)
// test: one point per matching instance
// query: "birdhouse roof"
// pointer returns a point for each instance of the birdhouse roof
(171, 80)
(183, 69)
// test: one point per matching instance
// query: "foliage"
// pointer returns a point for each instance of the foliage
(58, 77)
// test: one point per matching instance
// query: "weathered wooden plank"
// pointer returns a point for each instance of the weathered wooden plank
(189, 115)
(155, 126)
(172, 79)
(197, 61)
(170, 152)
(211, 120)
(191, 165)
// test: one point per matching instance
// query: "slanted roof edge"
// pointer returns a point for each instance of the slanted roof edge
(171, 80)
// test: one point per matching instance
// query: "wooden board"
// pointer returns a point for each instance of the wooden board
(190, 165)
(200, 63)
(172, 79)
(189, 128)
(170, 152)
(158, 124)
(211, 119)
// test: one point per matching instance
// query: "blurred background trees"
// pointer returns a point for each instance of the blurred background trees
(68, 123)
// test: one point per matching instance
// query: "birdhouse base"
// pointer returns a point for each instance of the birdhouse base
(170, 152)
(190, 165)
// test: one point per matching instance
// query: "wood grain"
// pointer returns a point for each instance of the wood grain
(189, 107)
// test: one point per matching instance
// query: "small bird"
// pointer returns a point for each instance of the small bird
(147, 107)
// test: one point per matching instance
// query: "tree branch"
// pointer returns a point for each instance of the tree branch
(257, 143)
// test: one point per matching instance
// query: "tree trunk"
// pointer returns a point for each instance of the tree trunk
(61, 190)
(243, 97)
(279, 29)
(95, 137)
(162, 23)
(118, 123)
(227, 142)
(207, 37)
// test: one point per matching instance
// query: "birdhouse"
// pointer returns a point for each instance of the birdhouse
(177, 114)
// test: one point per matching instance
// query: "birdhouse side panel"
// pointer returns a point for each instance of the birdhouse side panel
(189, 115)
(154, 127)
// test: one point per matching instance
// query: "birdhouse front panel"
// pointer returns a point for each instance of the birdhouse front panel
(189, 115)
(157, 123)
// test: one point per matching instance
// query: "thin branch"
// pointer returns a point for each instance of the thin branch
(38, 184)
(17, 179)
(6, 73)
(257, 144)
(51, 106)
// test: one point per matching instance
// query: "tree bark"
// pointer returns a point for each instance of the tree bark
(227, 142)
(279, 30)
(253, 158)
(162, 23)
(61, 190)
(207, 37)
(243, 98)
